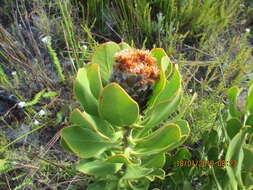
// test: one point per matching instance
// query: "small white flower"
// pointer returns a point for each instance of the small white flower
(128, 149)
(46, 39)
(247, 30)
(14, 73)
(21, 104)
(85, 47)
(36, 122)
(42, 112)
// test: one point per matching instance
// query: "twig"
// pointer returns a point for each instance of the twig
(7, 181)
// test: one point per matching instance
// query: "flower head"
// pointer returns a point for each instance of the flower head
(136, 71)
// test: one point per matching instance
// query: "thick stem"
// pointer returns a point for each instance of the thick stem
(125, 137)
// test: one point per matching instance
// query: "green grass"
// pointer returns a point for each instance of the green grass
(207, 39)
(161, 22)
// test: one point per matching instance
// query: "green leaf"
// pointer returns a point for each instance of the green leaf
(185, 132)
(142, 184)
(247, 162)
(187, 185)
(181, 154)
(249, 120)
(157, 173)
(159, 141)
(98, 168)
(165, 104)
(3, 166)
(184, 126)
(158, 53)
(117, 107)
(84, 142)
(235, 152)
(104, 57)
(167, 66)
(135, 172)
(97, 185)
(213, 153)
(251, 139)
(211, 136)
(221, 178)
(83, 92)
(249, 101)
(233, 127)
(101, 127)
(167, 98)
(172, 87)
(50, 94)
(104, 184)
(154, 161)
(158, 88)
(124, 45)
(162, 60)
(160, 112)
(232, 94)
(119, 158)
(36, 98)
(65, 145)
(93, 75)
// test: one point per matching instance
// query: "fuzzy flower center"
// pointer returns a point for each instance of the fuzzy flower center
(139, 62)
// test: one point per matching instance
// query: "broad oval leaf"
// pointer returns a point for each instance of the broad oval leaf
(158, 141)
(98, 168)
(117, 107)
(101, 127)
(84, 142)
(104, 57)
(83, 92)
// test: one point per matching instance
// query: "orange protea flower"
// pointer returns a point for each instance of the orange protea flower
(136, 71)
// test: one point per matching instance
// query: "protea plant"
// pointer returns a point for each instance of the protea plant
(125, 94)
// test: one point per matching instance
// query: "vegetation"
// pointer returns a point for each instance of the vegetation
(45, 45)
